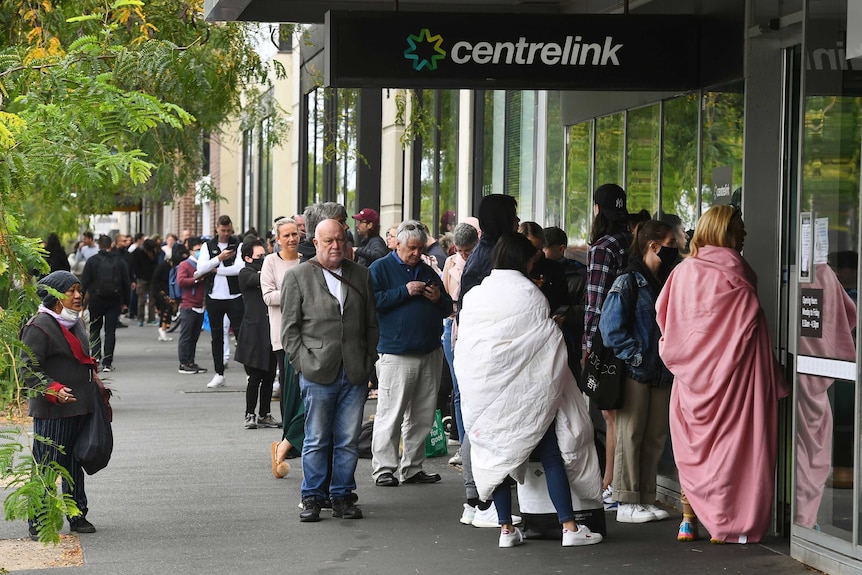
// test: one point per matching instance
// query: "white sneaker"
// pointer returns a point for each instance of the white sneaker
(216, 381)
(488, 518)
(511, 539)
(657, 512)
(583, 536)
(608, 499)
(163, 335)
(468, 514)
(456, 459)
(276, 390)
(633, 513)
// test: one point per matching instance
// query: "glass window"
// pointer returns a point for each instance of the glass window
(264, 214)
(722, 144)
(826, 412)
(642, 148)
(610, 150)
(439, 164)
(554, 142)
(579, 152)
(315, 123)
(344, 150)
(679, 160)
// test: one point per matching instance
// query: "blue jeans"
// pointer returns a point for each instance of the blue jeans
(450, 359)
(333, 418)
(555, 474)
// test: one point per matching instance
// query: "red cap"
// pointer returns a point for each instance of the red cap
(367, 215)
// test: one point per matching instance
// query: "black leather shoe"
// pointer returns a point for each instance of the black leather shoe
(386, 480)
(344, 508)
(423, 477)
(34, 535)
(81, 525)
(310, 510)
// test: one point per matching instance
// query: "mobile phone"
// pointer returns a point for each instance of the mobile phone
(231, 247)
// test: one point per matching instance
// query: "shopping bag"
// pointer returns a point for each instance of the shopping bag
(95, 443)
(604, 376)
(435, 443)
(206, 324)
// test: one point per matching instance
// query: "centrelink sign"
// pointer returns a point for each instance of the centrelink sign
(566, 52)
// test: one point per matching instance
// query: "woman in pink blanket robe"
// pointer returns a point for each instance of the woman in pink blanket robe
(723, 407)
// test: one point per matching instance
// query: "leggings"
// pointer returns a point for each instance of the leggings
(166, 310)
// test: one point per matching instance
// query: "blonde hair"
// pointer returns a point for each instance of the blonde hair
(282, 221)
(713, 229)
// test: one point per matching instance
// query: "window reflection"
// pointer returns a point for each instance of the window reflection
(642, 147)
(826, 408)
(610, 150)
(722, 144)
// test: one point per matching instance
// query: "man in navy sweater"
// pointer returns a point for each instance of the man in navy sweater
(411, 306)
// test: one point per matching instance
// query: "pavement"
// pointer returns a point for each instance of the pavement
(190, 491)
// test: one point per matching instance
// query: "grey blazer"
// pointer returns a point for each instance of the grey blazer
(317, 338)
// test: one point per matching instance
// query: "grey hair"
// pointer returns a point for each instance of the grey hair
(411, 230)
(466, 235)
(316, 213)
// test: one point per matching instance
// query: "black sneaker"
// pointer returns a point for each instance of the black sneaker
(34, 535)
(343, 507)
(186, 369)
(197, 368)
(107, 368)
(310, 510)
(81, 525)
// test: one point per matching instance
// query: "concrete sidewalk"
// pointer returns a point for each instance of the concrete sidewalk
(190, 491)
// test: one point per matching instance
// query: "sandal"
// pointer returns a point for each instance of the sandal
(687, 529)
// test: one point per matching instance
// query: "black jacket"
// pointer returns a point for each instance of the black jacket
(254, 347)
(371, 249)
(91, 275)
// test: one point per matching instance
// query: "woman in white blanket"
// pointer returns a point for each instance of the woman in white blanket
(519, 395)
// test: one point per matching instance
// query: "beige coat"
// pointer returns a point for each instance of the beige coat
(271, 276)
(317, 337)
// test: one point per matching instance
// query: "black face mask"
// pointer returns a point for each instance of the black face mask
(256, 263)
(668, 256)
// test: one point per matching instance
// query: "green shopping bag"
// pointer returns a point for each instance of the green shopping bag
(435, 443)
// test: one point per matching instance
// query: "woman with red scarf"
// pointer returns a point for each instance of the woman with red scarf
(62, 376)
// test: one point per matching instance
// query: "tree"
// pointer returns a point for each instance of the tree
(96, 100)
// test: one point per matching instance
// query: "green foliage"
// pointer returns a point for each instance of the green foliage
(33, 487)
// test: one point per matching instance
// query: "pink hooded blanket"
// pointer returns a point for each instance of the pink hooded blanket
(723, 407)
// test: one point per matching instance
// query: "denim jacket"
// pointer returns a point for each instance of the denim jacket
(636, 344)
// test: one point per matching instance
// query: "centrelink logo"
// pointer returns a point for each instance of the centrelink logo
(424, 38)
(426, 49)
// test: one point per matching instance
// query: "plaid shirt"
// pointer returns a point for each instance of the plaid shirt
(605, 260)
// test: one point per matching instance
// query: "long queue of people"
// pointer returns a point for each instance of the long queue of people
(506, 316)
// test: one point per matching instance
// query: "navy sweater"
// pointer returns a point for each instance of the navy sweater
(408, 325)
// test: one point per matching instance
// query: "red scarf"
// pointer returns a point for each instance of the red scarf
(77, 348)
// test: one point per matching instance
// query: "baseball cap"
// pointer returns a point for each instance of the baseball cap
(367, 215)
(611, 200)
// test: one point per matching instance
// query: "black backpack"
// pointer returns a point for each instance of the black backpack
(109, 277)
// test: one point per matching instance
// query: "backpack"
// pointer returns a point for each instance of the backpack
(109, 277)
(174, 291)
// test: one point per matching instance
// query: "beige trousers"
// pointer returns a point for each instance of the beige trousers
(642, 430)
(406, 404)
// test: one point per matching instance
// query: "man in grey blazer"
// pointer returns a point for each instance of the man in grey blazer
(329, 329)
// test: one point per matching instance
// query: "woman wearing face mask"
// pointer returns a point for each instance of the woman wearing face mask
(60, 359)
(253, 349)
(627, 324)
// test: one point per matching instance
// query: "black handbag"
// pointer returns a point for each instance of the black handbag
(95, 444)
(603, 378)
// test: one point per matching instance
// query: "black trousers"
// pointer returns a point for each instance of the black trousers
(63, 431)
(216, 310)
(107, 314)
(259, 387)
